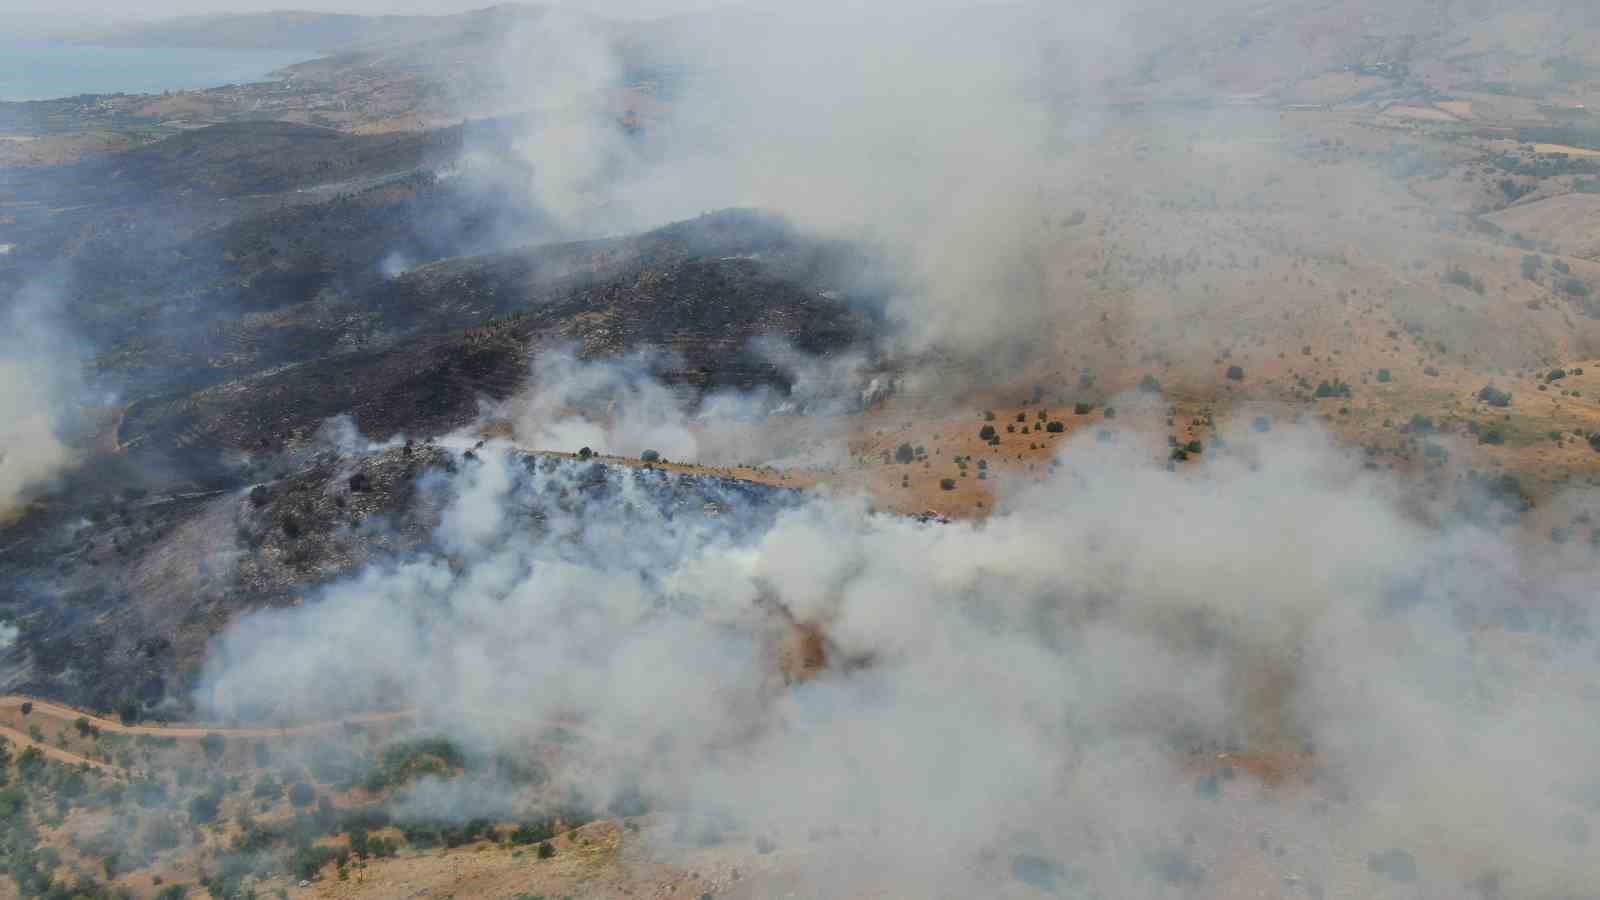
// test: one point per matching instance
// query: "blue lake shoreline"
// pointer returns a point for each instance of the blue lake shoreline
(51, 71)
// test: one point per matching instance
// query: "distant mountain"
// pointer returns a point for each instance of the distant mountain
(300, 30)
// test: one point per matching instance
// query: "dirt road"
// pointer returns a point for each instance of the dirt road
(56, 753)
(68, 715)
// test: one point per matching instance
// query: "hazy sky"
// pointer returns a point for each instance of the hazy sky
(88, 12)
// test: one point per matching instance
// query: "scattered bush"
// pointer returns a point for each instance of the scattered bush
(1056, 427)
(905, 454)
(1334, 388)
(1235, 373)
(1384, 377)
(1082, 409)
(360, 483)
(585, 453)
(650, 456)
(535, 832)
(947, 484)
(27, 707)
(1494, 396)
(986, 433)
(1576, 288)
(1150, 385)
(213, 744)
(204, 807)
(302, 794)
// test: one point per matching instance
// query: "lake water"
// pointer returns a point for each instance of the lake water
(48, 71)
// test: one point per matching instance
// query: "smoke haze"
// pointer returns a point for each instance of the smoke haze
(1128, 678)
(40, 383)
(1040, 674)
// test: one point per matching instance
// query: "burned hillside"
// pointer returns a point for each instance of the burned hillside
(440, 339)
(116, 601)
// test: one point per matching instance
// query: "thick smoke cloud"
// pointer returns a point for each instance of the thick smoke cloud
(1036, 683)
(911, 131)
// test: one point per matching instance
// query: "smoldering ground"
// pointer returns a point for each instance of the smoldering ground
(621, 406)
(1036, 684)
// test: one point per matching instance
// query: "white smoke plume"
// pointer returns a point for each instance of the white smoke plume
(40, 384)
(1033, 684)
(619, 407)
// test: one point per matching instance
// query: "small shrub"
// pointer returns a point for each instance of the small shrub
(546, 850)
(1235, 373)
(1150, 385)
(1082, 409)
(650, 456)
(947, 484)
(27, 707)
(302, 794)
(1384, 377)
(360, 483)
(585, 453)
(905, 454)
(986, 433)
(204, 807)
(1056, 427)
(1494, 396)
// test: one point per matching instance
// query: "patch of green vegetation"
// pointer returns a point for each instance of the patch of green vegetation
(409, 760)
